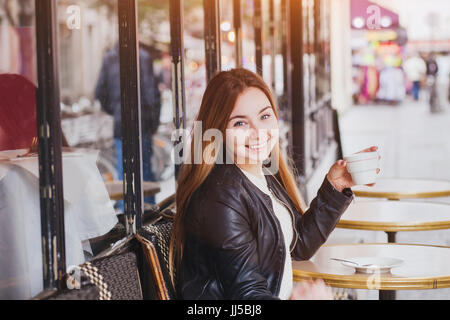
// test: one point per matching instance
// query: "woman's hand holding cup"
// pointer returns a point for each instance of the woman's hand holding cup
(360, 168)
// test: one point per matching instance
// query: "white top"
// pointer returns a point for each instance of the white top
(415, 68)
(285, 219)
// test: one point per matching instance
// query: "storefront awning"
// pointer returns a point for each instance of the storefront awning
(367, 15)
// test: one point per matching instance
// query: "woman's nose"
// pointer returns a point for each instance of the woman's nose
(255, 133)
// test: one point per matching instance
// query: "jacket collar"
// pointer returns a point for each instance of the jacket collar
(275, 186)
(274, 183)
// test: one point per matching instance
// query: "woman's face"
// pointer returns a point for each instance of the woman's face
(253, 127)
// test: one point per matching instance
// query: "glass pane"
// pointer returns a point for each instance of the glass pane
(279, 90)
(154, 35)
(195, 64)
(307, 101)
(228, 35)
(90, 120)
(248, 35)
(323, 54)
(20, 233)
(269, 44)
(278, 64)
(311, 53)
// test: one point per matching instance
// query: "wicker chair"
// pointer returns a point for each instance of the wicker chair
(116, 276)
(110, 277)
(155, 240)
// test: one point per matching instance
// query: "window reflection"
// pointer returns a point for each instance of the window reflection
(154, 35)
(248, 36)
(323, 49)
(90, 90)
(228, 35)
(20, 274)
(195, 66)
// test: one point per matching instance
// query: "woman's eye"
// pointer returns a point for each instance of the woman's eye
(266, 116)
(239, 124)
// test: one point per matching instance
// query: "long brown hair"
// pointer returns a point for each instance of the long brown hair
(217, 105)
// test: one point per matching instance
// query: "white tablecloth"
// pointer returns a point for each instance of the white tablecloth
(88, 210)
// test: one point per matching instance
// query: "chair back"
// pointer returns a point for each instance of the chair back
(114, 277)
(155, 240)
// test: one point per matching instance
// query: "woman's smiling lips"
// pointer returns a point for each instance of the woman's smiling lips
(257, 147)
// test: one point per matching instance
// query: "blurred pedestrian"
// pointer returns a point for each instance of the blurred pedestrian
(432, 71)
(443, 79)
(415, 69)
(432, 67)
(108, 92)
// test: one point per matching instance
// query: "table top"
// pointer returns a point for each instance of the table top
(424, 267)
(405, 188)
(76, 162)
(115, 189)
(392, 216)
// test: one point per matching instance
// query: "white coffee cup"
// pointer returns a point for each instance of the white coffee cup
(363, 167)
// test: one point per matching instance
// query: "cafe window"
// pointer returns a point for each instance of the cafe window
(228, 36)
(20, 245)
(248, 35)
(316, 83)
(194, 65)
(274, 15)
(154, 36)
(92, 94)
(323, 67)
(86, 47)
(87, 38)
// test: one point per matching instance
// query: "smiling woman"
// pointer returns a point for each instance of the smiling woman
(239, 223)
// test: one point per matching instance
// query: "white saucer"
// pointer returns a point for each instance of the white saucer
(373, 264)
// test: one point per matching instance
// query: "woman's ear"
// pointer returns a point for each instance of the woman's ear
(272, 163)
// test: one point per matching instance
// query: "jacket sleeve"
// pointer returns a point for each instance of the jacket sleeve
(226, 232)
(320, 219)
(101, 89)
(150, 95)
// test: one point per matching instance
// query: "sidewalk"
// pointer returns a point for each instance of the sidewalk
(413, 143)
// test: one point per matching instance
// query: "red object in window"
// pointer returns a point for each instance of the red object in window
(17, 112)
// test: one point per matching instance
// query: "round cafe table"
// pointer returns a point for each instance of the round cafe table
(394, 216)
(424, 267)
(396, 189)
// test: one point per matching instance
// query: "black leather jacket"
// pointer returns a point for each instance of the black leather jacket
(234, 247)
